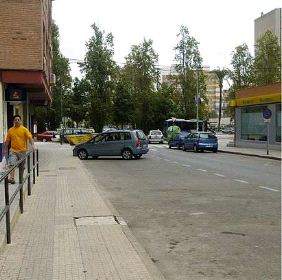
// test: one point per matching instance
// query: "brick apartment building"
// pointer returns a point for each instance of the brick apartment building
(25, 59)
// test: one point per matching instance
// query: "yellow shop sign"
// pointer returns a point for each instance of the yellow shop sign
(263, 99)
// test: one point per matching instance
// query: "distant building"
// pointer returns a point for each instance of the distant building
(270, 21)
(212, 85)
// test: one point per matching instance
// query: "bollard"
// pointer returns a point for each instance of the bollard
(21, 171)
(7, 203)
(28, 179)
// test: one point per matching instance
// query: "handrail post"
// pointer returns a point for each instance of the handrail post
(33, 166)
(37, 162)
(21, 171)
(7, 203)
(28, 179)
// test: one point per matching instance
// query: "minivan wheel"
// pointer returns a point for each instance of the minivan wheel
(82, 154)
(126, 154)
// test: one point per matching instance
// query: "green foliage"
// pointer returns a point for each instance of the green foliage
(163, 106)
(242, 73)
(123, 106)
(99, 70)
(267, 64)
(190, 74)
(141, 76)
(247, 71)
(79, 105)
(50, 117)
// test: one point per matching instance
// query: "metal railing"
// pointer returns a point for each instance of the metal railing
(32, 170)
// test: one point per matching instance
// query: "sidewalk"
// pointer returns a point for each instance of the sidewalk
(224, 140)
(67, 231)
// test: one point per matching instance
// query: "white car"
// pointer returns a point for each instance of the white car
(155, 136)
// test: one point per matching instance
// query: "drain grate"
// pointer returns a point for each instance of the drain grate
(96, 220)
(67, 168)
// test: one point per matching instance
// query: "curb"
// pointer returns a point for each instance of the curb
(251, 155)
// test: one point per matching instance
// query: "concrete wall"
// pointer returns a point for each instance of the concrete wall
(269, 21)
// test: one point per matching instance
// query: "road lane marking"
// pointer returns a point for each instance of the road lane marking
(197, 213)
(241, 181)
(203, 170)
(186, 165)
(220, 175)
(267, 188)
(175, 162)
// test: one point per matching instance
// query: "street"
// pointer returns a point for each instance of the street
(198, 215)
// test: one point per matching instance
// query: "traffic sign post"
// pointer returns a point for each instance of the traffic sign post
(267, 113)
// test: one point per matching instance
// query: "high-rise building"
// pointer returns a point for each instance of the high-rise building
(212, 88)
(270, 21)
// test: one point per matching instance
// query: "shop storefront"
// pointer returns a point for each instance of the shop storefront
(251, 128)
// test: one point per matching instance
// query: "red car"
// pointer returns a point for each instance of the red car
(46, 136)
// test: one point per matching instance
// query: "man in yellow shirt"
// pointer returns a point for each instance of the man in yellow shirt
(17, 136)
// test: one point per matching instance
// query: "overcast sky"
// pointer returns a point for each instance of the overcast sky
(219, 26)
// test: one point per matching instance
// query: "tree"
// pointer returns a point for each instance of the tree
(142, 76)
(241, 74)
(123, 105)
(190, 73)
(221, 74)
(267, 64)
(163, 106)
(50, 117)
(79, 105)
(99, 69)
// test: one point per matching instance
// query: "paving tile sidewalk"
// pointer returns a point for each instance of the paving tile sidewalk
(56, 238)
(225, 147)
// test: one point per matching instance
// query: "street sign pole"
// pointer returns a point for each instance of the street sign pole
(267, 113)
(267, 146)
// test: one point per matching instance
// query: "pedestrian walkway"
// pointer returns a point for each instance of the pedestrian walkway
(225, 145)
(67, 231)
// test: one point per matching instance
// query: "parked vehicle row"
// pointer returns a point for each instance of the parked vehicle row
(196, 141)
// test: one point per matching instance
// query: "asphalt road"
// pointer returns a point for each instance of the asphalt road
(199, 215)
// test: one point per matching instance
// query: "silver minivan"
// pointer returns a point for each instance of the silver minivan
(125, 143)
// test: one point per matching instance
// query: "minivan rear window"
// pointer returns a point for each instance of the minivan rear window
(140, 135)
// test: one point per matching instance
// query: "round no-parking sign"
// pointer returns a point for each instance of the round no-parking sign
(267, 114)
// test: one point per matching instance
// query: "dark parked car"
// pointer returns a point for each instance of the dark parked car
(177, 141)
(200, 141)
(125, 143)
(46, 136)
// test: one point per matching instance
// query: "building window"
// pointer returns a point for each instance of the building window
(278, 123)
(253, 126)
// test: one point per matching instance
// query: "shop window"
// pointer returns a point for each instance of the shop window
(253, 126)
(278, 123)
